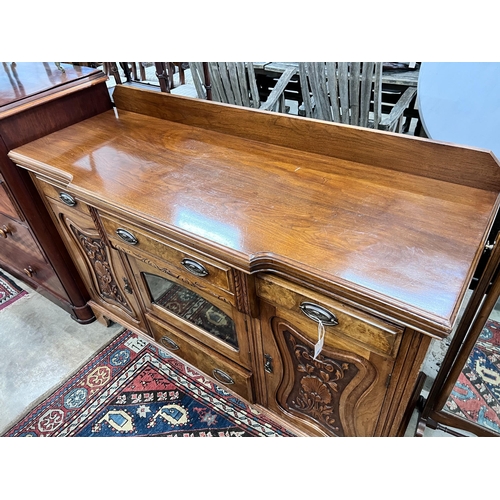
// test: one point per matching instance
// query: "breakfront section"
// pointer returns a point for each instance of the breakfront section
(195, 305)
(327, 366)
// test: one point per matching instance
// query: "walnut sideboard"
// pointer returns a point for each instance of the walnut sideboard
(35, 100)
(304, 265)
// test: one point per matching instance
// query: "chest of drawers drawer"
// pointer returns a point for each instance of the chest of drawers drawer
(190, 266)
(7, 204)
(16, 238)
(342, 323)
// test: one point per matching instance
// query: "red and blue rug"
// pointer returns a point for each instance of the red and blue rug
(476, 395)
(9, 291)
(135, 388)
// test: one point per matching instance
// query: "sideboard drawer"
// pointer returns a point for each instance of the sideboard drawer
(307, 307)
(197, 270)
(222, 370)
(62, 195)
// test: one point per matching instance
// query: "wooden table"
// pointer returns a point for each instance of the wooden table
(460, 103)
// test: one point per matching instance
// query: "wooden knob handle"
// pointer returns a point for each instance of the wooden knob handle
(4, 231)
(29, 271)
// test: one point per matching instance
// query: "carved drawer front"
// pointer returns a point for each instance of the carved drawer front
(213, 322)
(62, 194)
(223, 371)
(194, 269)
(307, 309)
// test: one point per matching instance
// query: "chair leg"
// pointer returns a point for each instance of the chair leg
(182, 75)
(142, 71)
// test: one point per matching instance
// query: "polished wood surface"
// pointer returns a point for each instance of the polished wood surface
(405, 241)
(25, 82)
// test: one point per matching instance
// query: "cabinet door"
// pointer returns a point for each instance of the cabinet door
(198, 314)
(341, 391)
(100, 266)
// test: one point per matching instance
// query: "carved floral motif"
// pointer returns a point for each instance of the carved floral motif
(318, 384)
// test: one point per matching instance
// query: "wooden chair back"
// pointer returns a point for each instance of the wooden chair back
(230, 82)
(342, 92)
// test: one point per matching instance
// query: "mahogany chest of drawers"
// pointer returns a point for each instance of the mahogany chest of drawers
(35, 100)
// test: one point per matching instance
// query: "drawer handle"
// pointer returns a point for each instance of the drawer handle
(194, 267)
(220, 376)
(127, 236)
(29, 271)
(167, 342)
(68, 199)
(5, 231)
(319, 314)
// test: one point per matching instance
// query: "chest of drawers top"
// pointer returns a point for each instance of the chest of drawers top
(394, 224)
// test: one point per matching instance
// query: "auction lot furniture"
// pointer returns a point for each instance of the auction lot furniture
(303, 264)
(35, 100)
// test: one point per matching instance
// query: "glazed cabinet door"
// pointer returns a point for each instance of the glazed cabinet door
(101, 267)
(191, 310)
(208, 333)
(338, 390)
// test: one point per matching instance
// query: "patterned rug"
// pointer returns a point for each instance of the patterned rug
(9, 291)
(134, 388)
(476, 395)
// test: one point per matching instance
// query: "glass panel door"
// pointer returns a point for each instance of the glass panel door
(191, 307)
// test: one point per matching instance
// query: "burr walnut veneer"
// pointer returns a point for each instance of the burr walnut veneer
(35, 100)
(239, 238)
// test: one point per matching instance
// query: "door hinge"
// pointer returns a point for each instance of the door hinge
(388, 381)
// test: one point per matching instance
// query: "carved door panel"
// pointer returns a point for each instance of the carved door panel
(100, 266)
(340, 393)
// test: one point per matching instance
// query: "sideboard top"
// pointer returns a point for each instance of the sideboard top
(24, 82)
(401, 243)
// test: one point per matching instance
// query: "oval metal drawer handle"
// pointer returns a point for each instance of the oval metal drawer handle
(168, 342)
(127, 236)
(220, 376)
(67, 199)
(194, 267)
(319, 314)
